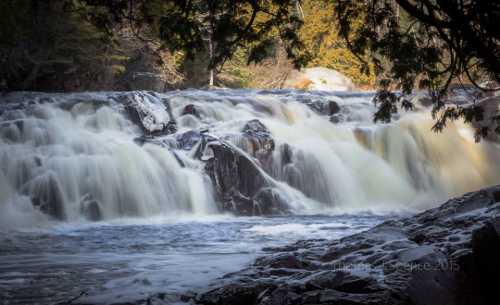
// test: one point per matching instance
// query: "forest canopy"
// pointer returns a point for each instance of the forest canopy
(403, 45)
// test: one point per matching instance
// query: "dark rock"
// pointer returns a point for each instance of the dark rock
(143, 71)
(286, 153)
(188, 139)
(433, 286)
(446, 255)
(343, 281)
(323, 107)
(283, 260)
(334, 108)
(269, 201)
(334, 297)
(280, 296)
(418, 238)
(191, 110)
(260, 139)
(90, 208)
(335, 252)
(242, 187)
(486, 254)
(335, 119)
(169, 128)
(137, 108)
(232, 170)
(48, 197)
(38, 161)
(232, 294)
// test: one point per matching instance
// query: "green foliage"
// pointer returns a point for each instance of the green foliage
(431, 43)
(329, 50)
(44, 43)
(212, 27)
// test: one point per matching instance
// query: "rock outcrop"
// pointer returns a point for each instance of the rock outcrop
(241, 186)
(149, 113)
(318, 78)
(447, 255)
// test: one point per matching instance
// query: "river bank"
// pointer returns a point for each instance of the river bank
(446, 255)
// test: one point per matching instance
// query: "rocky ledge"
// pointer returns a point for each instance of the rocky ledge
(447, 255)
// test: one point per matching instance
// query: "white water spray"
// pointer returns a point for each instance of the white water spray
(76, 157)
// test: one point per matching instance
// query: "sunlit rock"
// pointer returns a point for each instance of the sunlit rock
(319, 78)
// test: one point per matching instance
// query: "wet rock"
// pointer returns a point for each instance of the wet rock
(280, 296)
(169, 128)
(260, 139)
(189, 139)
(241, 294)
(331, 296)
(486, 254)
(433, 286)
(343, 281)
(333, 107)
(90, 208)
(282, 260)
(446, 255)
(48, 197)
(191, 110)
(241, 186)
(286, 153)
(421, 255)
(149, 113)
(270, 202)
(323, 107)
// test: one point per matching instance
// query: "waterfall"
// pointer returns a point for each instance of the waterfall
(83, 156)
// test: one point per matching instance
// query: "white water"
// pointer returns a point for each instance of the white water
(162, 231)
(72, 149)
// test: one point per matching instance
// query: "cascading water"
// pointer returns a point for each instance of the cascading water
(78, 156)
(161, 172)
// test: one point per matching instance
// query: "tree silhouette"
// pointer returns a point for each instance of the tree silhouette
(427, 44)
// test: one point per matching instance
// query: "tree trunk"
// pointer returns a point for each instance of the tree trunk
(211, 54)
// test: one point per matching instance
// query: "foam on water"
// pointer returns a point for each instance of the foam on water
(161, 229)
(64, 154)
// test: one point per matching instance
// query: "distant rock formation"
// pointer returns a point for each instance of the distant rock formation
(318, 78)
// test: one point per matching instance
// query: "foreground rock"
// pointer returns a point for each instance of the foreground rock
(447, 255)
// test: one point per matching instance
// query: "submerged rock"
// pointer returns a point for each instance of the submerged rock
(446, 255)
(191, 110)
(323, 107)
(90, 208)
(46, 195)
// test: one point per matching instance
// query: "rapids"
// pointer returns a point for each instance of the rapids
(117, 194)
(77, 156)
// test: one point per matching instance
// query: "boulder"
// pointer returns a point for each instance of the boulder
(241, 186)
(318, 78)
(323, 107)
(191, 110)
(189, 139)
(149, 113)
